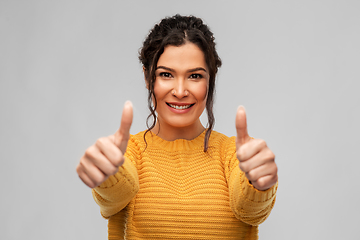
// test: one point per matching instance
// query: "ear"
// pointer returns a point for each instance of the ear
(146, 82)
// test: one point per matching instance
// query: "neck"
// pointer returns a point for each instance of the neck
(171, 133)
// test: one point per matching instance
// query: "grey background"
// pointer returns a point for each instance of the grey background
(67, 67)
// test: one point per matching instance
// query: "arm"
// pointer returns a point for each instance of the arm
(248, 204)
(252, 175)
(109, 169)
(118, 190)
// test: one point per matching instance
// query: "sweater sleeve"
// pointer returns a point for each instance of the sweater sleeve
(249, 205)
(119, 189)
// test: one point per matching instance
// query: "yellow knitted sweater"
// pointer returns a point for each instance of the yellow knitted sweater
(175, 190)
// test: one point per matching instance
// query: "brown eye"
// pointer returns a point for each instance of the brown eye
(165, 75)
(196, 76)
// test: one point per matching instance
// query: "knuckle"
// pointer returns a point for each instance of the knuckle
(120, 160)
(276, 178)
(115, 170)
(261, 183)
(118, 155)
(84, 179)
(269, 153)
(275, 169)
(114, 155)
(99, 179)
(241, 166)
(78, 169)
(272, 155)
(244, 167)
(81, 178)
(251, 176)
(111, 170)
(262, 143)
(89, 153)
(100, 141)
(240, 154)
(81, 167)
(117, 158)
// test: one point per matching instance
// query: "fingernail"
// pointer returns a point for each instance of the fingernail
(241, 106)
(128, 103)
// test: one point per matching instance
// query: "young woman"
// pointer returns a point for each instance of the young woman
(178, 179)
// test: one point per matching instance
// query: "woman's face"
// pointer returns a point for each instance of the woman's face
(181, 86)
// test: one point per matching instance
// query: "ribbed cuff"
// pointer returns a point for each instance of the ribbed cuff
(255, 195)
(117, 191)
(114, 179)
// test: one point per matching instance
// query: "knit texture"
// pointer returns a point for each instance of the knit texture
(175, 190)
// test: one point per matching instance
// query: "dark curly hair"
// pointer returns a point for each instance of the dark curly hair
(176, 31)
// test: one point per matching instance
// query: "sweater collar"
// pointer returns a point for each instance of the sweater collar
(176, 145)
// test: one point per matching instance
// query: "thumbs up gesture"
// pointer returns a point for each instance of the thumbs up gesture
(256, 160)
(104, 158)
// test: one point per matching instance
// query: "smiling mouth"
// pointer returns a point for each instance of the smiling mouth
(180, 107)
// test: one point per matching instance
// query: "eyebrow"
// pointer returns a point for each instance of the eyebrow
(172, 70)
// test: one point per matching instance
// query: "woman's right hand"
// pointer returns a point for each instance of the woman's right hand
(104, 158)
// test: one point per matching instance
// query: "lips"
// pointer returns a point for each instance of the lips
(180, 106)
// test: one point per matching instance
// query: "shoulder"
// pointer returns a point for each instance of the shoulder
(220, 138)
(222, 142)
(136, 141)
(137, 137)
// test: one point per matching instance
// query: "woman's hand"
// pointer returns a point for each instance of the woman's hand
(257, 161)
(104, 158)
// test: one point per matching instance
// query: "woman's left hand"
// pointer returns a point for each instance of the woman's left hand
(257, 161)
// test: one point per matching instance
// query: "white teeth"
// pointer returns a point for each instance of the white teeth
(180, 107)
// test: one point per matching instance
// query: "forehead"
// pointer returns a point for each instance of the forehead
(186, 56)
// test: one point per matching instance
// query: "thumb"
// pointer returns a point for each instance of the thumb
(122, 135)
(241, 127)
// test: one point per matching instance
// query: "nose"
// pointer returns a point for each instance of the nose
(180, 90)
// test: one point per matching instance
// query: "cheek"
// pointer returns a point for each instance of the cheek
(157, 91)
(161, 88)
(201, 92)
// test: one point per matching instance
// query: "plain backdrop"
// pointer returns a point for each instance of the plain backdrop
(67, 67)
